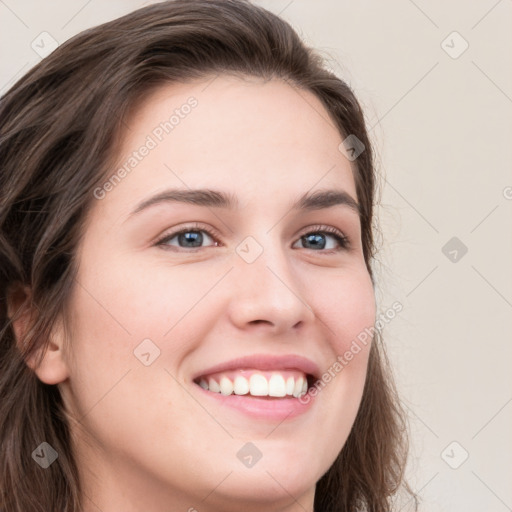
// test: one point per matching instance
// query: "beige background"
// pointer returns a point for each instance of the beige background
(443, 129)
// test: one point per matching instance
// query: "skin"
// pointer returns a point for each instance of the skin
(144, 439)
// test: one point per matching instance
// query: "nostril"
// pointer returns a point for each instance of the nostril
(259, 321)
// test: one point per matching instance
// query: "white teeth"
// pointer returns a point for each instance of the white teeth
(290, 385)
(226, 386)
(276, 385)
(258, 385)
(213, 386)
(298, 387)
(241, 386)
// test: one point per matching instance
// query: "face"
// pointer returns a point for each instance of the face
(246, 289)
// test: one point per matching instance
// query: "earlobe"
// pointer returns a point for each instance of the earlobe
(48, 361)
(50, 366)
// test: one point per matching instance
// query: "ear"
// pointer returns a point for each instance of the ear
(52, 368)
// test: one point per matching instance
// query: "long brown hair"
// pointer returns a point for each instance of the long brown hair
(59, 127)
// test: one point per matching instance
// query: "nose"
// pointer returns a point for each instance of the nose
(268, 294)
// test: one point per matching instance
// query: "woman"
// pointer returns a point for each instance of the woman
(188, 302)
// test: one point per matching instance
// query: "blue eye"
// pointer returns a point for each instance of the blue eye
(317, 239)
(186, 238)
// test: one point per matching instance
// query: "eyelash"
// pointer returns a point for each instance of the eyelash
(343, 241)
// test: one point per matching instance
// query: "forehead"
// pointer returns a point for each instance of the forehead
(243, 134)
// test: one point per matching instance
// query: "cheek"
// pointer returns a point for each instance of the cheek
(133, 328)
(114, 312)
(348, 309)
(346, 305)
(125, 303)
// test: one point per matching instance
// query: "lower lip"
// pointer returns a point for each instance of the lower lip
(259, 407)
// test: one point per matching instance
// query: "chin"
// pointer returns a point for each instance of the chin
(274, 488)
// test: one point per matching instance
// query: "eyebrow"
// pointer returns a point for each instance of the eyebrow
(317, 200)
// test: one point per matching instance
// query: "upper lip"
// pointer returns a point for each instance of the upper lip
(265, 362)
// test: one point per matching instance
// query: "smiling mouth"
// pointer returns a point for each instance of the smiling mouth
(256, 383)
